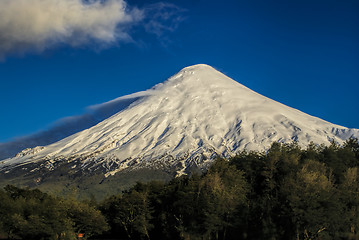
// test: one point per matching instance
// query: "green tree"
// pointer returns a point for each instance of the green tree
(313, 200)
(208, 206)
(32, 214)
(130, 213)
(349, 195)
(84, 218)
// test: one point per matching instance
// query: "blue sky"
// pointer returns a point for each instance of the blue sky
(304, 54)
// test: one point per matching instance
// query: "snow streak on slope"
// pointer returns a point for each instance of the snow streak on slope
(194, 116)
(67, 126)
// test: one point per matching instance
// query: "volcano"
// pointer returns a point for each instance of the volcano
(179, 125)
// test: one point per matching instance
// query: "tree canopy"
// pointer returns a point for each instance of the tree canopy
(284, 193)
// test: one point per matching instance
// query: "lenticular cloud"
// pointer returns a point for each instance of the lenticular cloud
(35, 25)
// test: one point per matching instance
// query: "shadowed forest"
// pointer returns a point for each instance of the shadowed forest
(284, 193)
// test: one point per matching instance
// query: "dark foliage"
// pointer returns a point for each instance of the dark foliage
(32, 214)
(285, 193)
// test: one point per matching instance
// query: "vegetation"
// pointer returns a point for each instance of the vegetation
(34, 215)
(285, 193)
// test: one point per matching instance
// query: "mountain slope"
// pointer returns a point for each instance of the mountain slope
(185, 122)
(66, 127)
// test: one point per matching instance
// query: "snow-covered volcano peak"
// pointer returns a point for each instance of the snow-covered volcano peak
(194, 116)
(197, 78)
(203, 72)
(198, 68)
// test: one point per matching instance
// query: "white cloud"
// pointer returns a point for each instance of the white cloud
(35, 25)
(165, 17)
(162, 18)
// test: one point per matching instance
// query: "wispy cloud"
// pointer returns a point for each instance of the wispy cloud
(161, 18)
(35, 25)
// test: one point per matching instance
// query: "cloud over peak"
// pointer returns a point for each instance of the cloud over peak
(35, 25)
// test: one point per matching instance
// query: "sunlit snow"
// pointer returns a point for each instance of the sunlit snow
(192, 117)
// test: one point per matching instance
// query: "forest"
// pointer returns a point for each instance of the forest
(283, 193)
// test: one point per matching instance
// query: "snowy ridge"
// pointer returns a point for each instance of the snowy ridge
(189, 119)
(67, 126)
